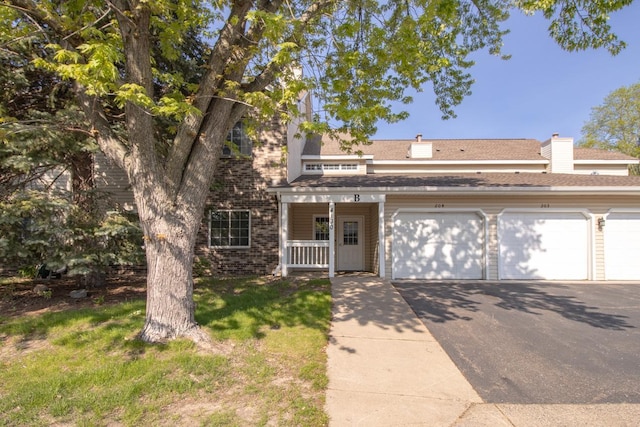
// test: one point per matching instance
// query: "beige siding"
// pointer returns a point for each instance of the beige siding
(377, 168)
(301, 224)
(112, 180)
(620, 170)
(491, 206)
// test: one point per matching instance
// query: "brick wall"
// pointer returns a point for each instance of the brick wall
(241, 184)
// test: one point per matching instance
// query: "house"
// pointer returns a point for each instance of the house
(508, 209)
(486, 209)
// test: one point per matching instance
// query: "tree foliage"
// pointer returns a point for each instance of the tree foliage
(615, 125)
(162, 82)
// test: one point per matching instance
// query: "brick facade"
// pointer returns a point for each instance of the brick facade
(241, 183)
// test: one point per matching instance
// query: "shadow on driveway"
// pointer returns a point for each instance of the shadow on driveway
(537, 342)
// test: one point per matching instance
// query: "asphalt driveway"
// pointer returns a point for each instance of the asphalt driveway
(537, 343)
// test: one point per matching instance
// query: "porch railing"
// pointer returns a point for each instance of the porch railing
(307, 253)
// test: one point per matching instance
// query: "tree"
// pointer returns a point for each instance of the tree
(615, 125)
(357, 55)
(43, 146)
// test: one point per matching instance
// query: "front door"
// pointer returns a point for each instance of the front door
(350, 244)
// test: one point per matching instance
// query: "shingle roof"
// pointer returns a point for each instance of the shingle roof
(597, 154)
(455, 149)
(531, 180)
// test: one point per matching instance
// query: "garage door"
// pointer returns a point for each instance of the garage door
(543, 245)
(622, 246)
(434, 245)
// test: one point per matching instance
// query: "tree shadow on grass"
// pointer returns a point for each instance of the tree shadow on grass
(442, 302)
(245, 308)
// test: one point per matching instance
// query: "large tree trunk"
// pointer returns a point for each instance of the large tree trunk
(169, 244)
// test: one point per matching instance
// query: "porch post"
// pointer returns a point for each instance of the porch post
(284, 232)
(381, 240)
(332, 239)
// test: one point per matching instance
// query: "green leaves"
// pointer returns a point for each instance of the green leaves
(615, 125)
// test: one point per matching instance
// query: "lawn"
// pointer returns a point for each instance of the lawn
(82, 365)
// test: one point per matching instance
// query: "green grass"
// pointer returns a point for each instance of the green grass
(85, 367)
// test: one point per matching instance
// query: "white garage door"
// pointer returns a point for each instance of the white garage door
(622, 246)
(543, 245)
(434, 245)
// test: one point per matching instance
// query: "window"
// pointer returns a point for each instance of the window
(238, 143)
(230, 228)
(321, 228)
(331, 166)
(313, 167)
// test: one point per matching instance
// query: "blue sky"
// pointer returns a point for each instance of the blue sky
(539, 91)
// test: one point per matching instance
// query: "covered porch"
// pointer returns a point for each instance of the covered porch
(332, 232)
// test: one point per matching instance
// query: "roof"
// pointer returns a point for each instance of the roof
(581, 153)
(477, 180)
(454, 149)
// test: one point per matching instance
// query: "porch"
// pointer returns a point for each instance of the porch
(332, 233)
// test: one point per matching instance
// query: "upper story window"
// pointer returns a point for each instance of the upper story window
(238, 143)
(332, 167)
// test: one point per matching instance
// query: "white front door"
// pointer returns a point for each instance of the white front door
(350, 244)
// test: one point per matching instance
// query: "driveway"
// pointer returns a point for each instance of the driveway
(537, 343)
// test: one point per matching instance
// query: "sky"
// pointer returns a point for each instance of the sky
(541, 90)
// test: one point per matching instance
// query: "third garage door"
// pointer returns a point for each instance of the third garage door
(438, 245)
(543, 245)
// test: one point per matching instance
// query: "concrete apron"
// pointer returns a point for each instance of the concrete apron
(386, 369)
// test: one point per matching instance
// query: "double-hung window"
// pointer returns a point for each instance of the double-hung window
(320, 227)
(238, 143)
(230, 228)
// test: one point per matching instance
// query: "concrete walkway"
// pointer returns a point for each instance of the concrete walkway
(385, 369)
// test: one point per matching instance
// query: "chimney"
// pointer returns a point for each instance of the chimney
(420, 149)
(559, 151)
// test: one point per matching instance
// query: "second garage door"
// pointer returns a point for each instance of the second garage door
(622, 246)
(438, 245)
(543, 245)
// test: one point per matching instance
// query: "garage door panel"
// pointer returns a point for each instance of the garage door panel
(622, 246)
(438, 245)
(536, 245)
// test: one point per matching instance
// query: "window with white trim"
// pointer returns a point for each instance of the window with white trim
(349, 167)
(330, 166)
(313, 167)
(230, 228)
(320, 227)
(238, 143)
